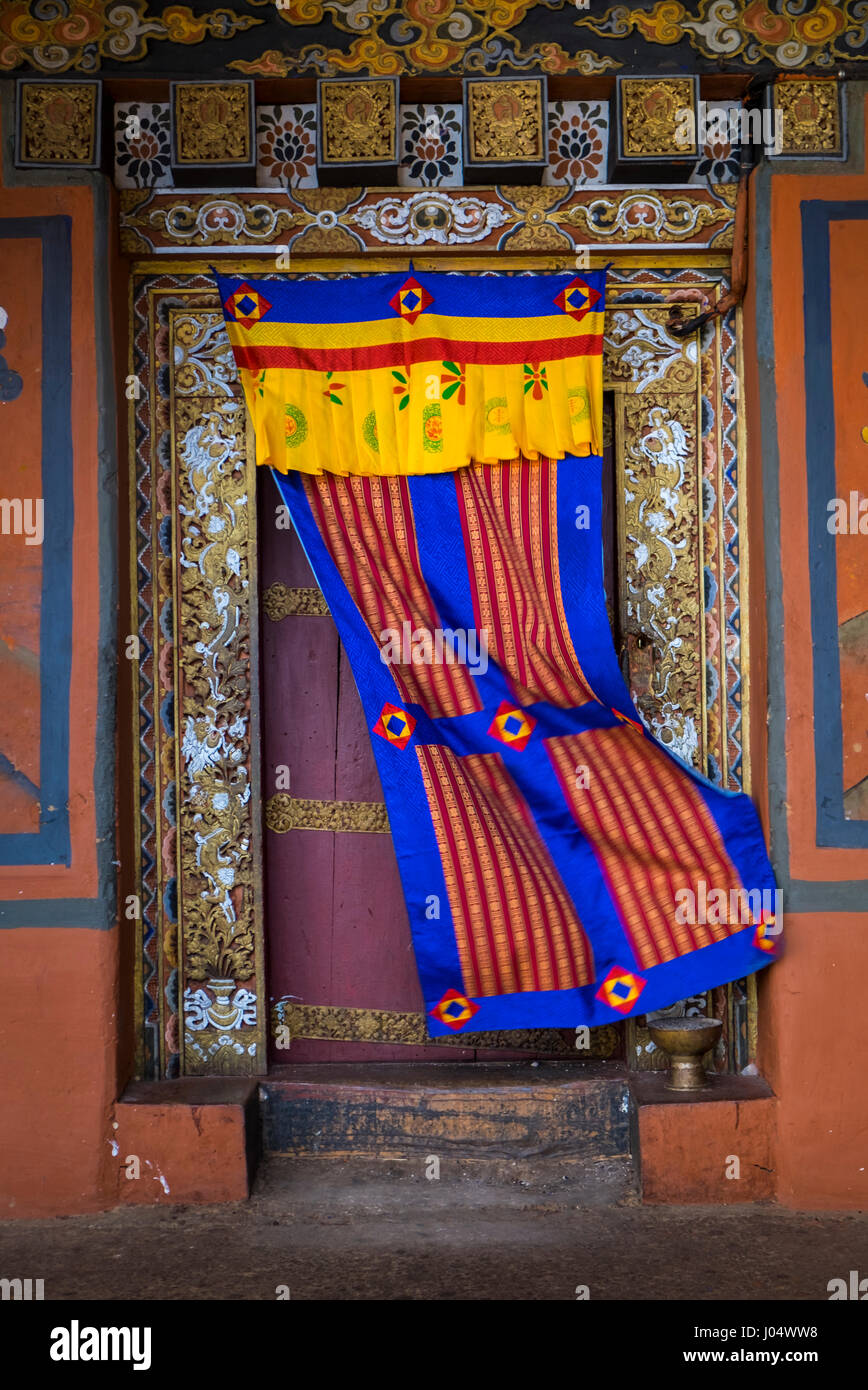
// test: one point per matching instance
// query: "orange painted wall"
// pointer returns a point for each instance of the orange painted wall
(812, 1033)
(79, 879)
(807, 860)
(60, 1018)
(811, 1019)
(59, 1074)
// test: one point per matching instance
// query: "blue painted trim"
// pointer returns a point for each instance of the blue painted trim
(51, 843)
(94, 913)
(832, 828)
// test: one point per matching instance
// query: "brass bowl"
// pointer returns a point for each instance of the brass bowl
(686, 1041)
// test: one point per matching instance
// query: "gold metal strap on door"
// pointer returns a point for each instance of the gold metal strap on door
(284, 812)
(325, 1022)
(278, 602)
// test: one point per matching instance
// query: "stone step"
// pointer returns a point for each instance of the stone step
(470, 1113)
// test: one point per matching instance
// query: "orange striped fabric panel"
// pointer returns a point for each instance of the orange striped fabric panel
(367, 525)
(516, 928)
(651, 832)
(509, 517)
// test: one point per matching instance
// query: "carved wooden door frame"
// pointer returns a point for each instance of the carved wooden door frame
(200, 1000)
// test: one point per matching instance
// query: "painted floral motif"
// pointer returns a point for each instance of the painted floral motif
(402, 390)
(143, 148)
(719, 160)
(369, 431)
(432, 429)
(578, 142)
(579, 403)
(430, 146)
(497, 415)
(333, 388)
(453, 381)
(286, 146)
(294, 426)
(535, 380)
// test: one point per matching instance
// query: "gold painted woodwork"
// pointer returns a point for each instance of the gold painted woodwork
(325, 1022)
(360, 224)
(216, 665)
(358, 122)
(279, 601)
(811, 116)
(505, 121)
(656, 382)
(59, 123)
(212, 123)
(649, 116)
(284, 813)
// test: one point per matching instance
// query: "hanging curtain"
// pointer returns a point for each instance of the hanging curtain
(437, 440)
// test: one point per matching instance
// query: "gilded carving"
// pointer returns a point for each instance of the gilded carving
(659, 463)
(327, 221)
(536, 211)
(358, 122)
(58, 123)
(811, 116)
(430, 217)
(330, 1023)
(284, 812)
(212, 124)
(505, 121)
(649, 119)
(655, 214)
(219, 895)
(278, 602)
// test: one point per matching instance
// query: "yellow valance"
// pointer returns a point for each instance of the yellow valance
(405, 374)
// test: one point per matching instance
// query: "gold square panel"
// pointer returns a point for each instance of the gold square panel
(505, 121)
(212, 125)
(649, 119)
(58, 124)
(811, 111)
(358, 122)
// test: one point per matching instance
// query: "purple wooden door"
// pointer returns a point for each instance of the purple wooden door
(337, 928)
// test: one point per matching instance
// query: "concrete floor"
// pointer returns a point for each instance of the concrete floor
(380, 1230)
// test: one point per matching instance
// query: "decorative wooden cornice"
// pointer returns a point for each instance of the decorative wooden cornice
(340, 222)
